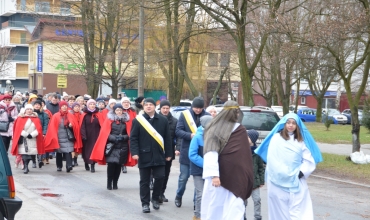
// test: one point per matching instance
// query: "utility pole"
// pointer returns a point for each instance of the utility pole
(140, 86)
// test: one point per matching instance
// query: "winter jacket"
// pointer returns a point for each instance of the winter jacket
(44, 119)
(172, 122)
(5, 113)
(29, 128)
(143, 144)
(196, 153)
(258, 170)
(183, 131)
(120, 148)
(66, 146)
(53, 108)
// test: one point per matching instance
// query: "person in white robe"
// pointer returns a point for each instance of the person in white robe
(291, 155)
(227, 166)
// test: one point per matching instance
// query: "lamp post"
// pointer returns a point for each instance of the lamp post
(9, 86)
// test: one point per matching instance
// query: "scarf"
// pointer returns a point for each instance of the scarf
(64, 115)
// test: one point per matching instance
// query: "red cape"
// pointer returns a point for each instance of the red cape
(19, 124)
(51, 138)
(104, 113)
(48, 112)
(98, 155)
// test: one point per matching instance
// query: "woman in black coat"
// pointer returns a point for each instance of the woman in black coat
(91, 122)
(118, 136)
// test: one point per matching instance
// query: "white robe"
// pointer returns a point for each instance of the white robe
(218, 202)
(284, 205)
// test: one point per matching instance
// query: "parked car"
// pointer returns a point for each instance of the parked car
(307, 114)
(176, 110)
(292, 107)
(9, 203)
(262, 107)
(278, 109)
(347, 113)
(334, 115)
(260, 120)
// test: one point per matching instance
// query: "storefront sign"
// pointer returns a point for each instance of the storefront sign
(39, 58)
(62, 81)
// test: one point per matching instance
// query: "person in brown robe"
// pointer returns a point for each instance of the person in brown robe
(228, 166)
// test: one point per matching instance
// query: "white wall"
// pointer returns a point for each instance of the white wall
(105, 90)
(7, 6)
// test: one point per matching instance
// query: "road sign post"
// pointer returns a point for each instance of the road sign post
(62, 81)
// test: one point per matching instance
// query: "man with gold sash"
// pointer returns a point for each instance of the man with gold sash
(151, 145)
(186, 128)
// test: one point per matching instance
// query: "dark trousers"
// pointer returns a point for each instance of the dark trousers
(113, 172)
(67, 156)
(6, 141)
(158, 175)
(167, 171)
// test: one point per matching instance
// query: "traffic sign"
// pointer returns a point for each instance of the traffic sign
(62, 81)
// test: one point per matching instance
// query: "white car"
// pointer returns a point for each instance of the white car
(335, 115)
(292, 107)
(278, 109)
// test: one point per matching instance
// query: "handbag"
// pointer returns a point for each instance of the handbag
(109, 148)
(4, 126)
(70, 135)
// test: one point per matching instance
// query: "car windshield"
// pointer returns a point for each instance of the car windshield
(264, 121)
(333, 112)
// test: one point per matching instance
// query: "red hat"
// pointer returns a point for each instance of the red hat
(7, 97)
(61, 103)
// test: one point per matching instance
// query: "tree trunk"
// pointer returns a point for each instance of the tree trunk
(218, 86)
(319, 109)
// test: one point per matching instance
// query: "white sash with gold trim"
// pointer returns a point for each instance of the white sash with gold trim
(149, 128)
(190, 121)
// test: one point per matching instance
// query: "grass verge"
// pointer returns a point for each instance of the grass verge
(338, 167)
(337, 134)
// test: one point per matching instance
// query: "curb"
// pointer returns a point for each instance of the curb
(342, 181)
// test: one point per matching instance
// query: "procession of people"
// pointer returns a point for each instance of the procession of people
(214, 147)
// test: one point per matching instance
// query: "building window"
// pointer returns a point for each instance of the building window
(212, 59)
(225, 60)
(39, 82)
(30, 82)
(65, 8)
(303, 100)
(42, 6)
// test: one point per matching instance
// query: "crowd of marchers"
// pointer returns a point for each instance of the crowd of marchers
(226, 165)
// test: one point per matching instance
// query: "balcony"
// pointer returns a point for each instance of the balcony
(19, 58)
(19, 40)
(44, 8)
(17, 24)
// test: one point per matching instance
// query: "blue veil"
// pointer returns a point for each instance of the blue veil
(307, 138)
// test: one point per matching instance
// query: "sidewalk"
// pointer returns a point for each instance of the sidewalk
(342, 149)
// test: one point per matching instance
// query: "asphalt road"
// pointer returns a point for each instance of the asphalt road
(48, 194)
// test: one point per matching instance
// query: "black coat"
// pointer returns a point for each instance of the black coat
(53, 108)
(172, 122)
(120, 150)
(143, 144)
(183, 131)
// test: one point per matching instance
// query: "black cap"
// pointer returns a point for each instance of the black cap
(117, 106)
(198, 102)
(150, 100)
(139, 99)
(164, 103)
(37, 102)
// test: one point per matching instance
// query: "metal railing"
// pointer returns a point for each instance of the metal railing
(19, 40)
(19, 58)
(19, 24)
(44, 8)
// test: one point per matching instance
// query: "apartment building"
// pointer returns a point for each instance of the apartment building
(18, 19)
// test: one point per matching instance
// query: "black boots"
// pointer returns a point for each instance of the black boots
(26, 170)
(115, 187)
(75, 161)
(124, 169)
(87, 167)
(93, 168)
(109, 184)
(178, 202)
